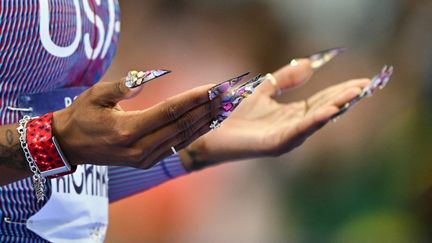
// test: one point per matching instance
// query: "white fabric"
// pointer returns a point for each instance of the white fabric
(77, 210)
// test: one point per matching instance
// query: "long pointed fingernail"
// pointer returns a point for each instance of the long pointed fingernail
(253, 82)
(221, 88)
(138, 78)
(231, 100)
(321, 58)
(244, 89)
(378, 82)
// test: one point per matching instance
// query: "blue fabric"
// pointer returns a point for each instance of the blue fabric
(28, 65)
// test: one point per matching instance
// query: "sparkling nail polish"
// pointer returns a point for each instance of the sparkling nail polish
(221, 88)
(378, 82)
(321, 58)
(232, 99)
(138, 78)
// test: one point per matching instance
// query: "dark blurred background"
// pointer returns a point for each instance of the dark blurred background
(366, 178)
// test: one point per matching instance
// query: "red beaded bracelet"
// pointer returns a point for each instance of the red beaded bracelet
(45, 149)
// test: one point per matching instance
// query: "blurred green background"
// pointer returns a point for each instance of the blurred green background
(366, 178)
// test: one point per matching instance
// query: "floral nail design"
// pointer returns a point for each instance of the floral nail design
(233, 97)
(225, 86)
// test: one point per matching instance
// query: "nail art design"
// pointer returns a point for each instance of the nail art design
(225, 86)
(233, 98)
(243, 90)
(323, 57)
(377, 82)
(137, 78)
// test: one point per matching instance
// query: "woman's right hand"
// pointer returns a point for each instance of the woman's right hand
(95, 130)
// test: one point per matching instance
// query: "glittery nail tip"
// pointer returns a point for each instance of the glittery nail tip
(379, 81)
(215, 125)
(137, 78)
(323, 57)
(221, 88)
(254, 82)
(232, 99)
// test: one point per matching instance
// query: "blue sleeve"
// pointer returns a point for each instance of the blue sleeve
(126, 181)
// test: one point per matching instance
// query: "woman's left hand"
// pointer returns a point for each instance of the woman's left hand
(261, 126)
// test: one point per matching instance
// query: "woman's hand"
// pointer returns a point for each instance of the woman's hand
(94, 129)
(261, 126)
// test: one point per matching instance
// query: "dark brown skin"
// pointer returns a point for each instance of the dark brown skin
(13, 166)
(94, 129)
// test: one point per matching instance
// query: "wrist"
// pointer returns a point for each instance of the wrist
(59, 130)
(196, 157)
(41, 147)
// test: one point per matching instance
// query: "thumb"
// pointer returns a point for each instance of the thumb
(110, 93)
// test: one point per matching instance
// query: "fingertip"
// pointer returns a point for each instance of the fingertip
(133, 92)
(362, 82)
(297, 65)
(301, 62)
(294, 74)
(345, 96)
(352, 92)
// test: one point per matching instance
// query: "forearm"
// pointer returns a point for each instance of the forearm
(13, 166)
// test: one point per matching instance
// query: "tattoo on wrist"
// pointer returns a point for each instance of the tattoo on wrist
(11, 155)
(9, 137)
(196, 164)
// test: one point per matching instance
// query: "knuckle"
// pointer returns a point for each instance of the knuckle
(185, 123)
(119, 87)
(170, 111)
(198, 100)
(92, 92)
(135, 156)
(123, 135)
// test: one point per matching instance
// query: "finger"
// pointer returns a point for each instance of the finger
(199, 133)
(110, 93)
(335, 89)
(147, 121)
(288, 77)
(225, 86)
(345, 97)
(326, 112)
(330, 93)
(181, 129)
(165, 150)
(347, 101)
